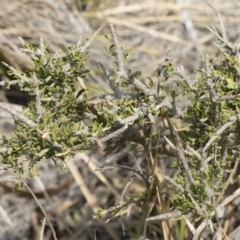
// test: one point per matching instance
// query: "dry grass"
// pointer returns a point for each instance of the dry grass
(150, 29)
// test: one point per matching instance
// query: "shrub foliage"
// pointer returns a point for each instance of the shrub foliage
(64, 117)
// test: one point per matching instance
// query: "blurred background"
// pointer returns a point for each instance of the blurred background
(149, 29)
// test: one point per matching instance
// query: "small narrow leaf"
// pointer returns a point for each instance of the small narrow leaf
(43, 152)
(62, 154)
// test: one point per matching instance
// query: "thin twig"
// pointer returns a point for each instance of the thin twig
(42, 209)
(118, 53)
(118, 93)
(114, 134)
(41, 237)
(121, 202)
(178, 186)
(38, 100)
(228, 124)
(165, 216)
(181, 154)
(220, 20)
(18, 115)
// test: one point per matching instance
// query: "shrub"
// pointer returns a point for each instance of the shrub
(64, 118)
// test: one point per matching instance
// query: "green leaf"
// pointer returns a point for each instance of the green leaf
(80, 93)
(43, 152)
(62, 154)
(230, 83)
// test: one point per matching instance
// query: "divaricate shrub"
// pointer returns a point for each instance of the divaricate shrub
(202, 142)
